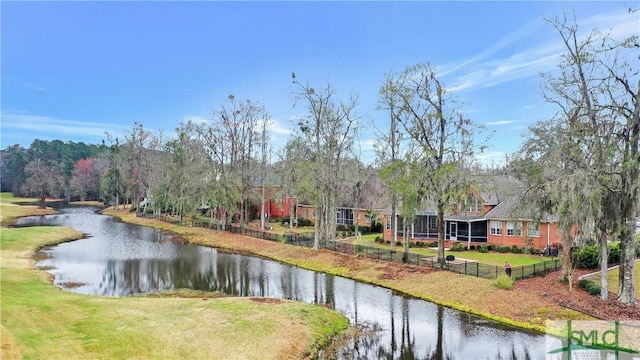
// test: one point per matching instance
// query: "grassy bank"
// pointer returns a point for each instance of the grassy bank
(41, 321)
(475, 295)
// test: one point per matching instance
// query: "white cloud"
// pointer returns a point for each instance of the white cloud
(536, 59)
(195, 119)
(49, 125)
(279, 129)
(32, 86)
(511, 38)
(500, 122)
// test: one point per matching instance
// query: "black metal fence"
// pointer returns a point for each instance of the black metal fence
(470, 268)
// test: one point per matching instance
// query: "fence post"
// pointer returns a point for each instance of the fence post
(465, 267)
(477, 269)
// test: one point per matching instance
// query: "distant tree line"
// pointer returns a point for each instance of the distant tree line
(53, 168)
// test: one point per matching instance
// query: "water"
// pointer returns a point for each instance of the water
(118, 259)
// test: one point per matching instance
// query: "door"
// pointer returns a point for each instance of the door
(453, 230)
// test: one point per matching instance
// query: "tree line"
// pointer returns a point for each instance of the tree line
(581, 164)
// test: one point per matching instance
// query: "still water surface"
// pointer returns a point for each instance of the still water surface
(119, 259)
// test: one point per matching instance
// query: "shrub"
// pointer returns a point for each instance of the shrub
(593, 288)
(305, 222)
(433, 244)
(419, 244)
(503, 249)
(362, 229)
(491, 247)
(472, 247)
(379, 239)
(614, 253)
(341, 227)
(590, 286)
(483, 249)
(377, 228)
(133, 209)
(504, 282)
(587, 258)
(516, 250)
(584, 282)
(457, 247)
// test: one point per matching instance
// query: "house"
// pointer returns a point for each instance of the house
(492, 213)
(356, 201)
(345, 214)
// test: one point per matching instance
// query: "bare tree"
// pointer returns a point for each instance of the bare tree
(44, 178)
(445, 139)
(389, 145)
(138, 163)
(328, 131)
(113, 182)
(265, 151)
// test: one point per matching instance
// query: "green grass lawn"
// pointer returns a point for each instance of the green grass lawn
(612, 276)
(490, 258)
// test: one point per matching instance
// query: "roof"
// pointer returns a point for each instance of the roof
(513, 203)
(507, 196)
(495, 189)
(466, 218)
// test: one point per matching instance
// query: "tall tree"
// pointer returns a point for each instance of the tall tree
(46, 170)
(265, 152)
(293, 178)
(328, 130)
(388, 146)
(112, 185)
(85, 179)
(137, 153)
(584, 162)
(447, 141)
(13, 160)
(44, 178)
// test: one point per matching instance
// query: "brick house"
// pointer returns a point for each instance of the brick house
(491, 214)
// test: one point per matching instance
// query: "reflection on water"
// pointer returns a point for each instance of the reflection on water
(119, 259)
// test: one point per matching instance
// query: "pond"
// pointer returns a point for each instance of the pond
(119, 259)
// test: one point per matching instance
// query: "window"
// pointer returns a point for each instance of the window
(472, 204)
(344, 216)
(496, 228)
(387, 220)
(514, 228)
(432, 222)
(533, 229)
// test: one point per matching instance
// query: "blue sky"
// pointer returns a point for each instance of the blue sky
(73, 70)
